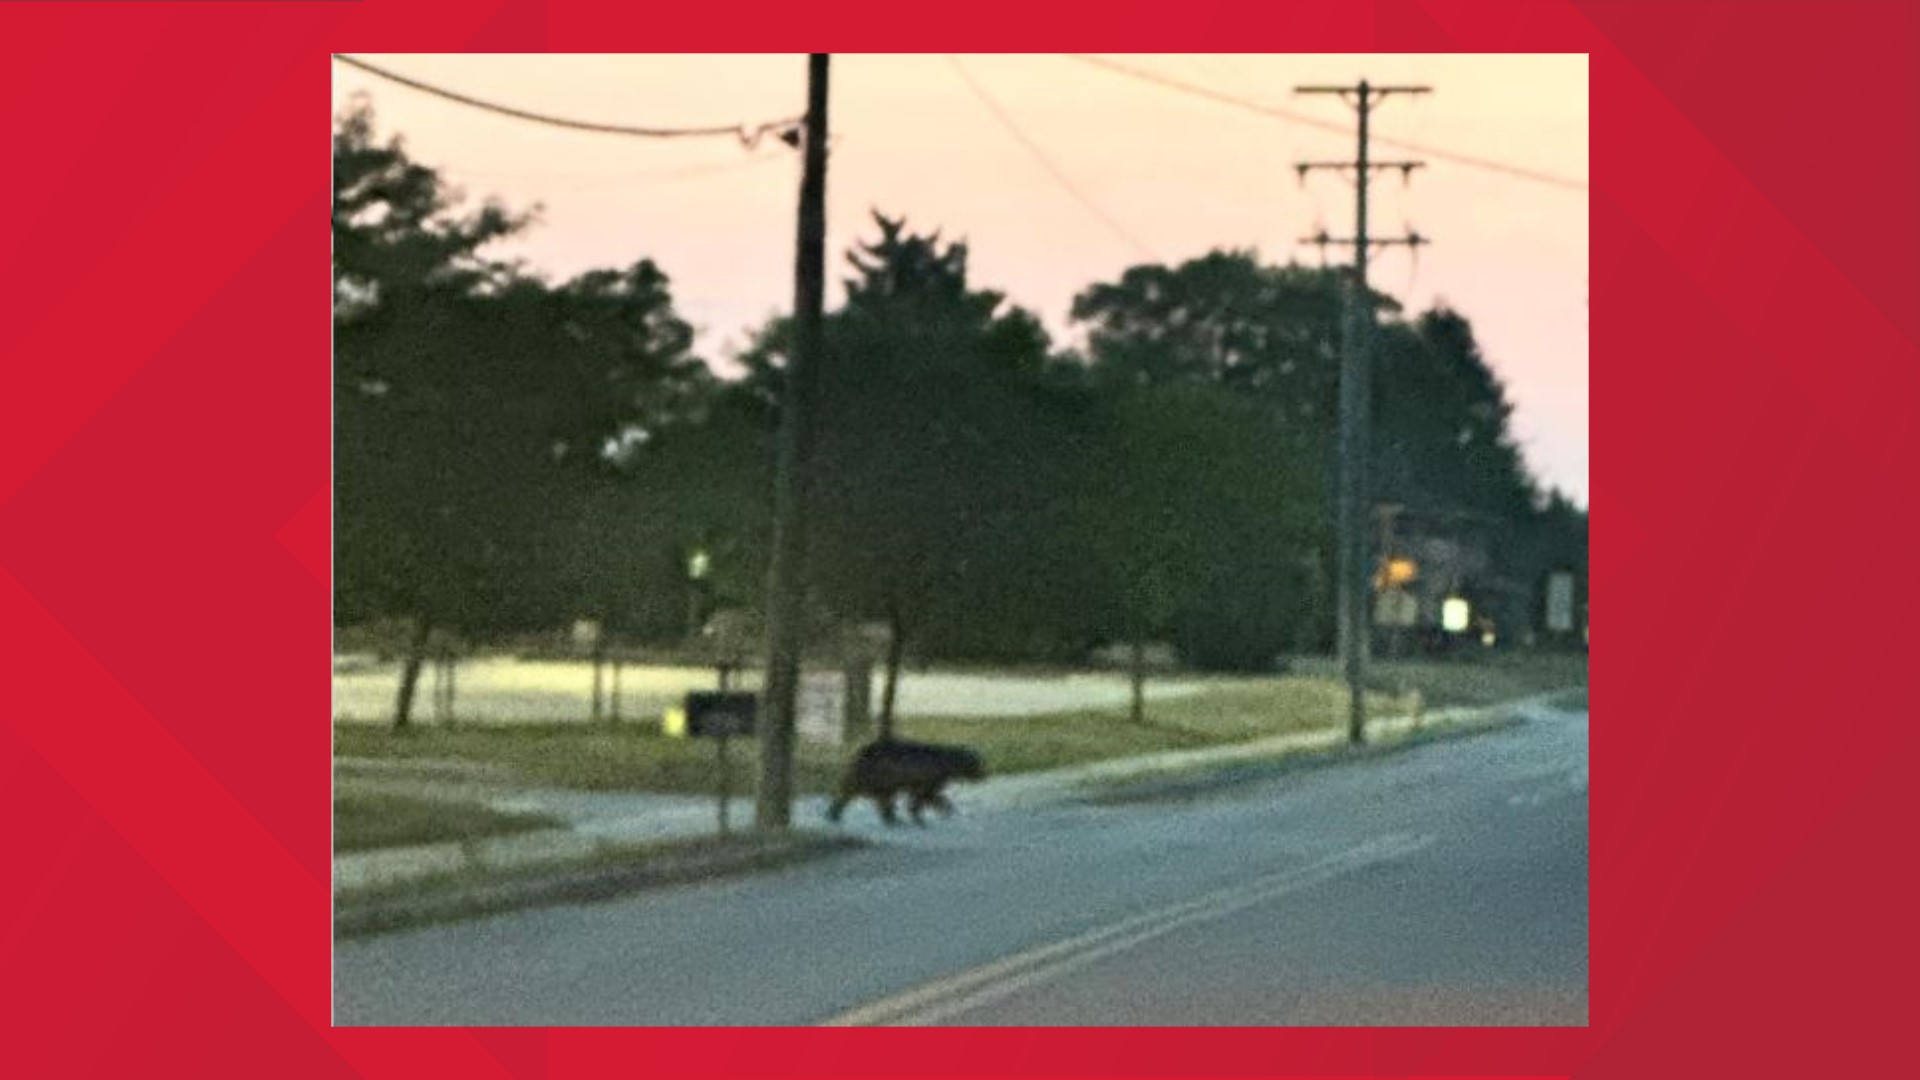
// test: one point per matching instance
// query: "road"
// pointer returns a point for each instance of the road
(1442, 885)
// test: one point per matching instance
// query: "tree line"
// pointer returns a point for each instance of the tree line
(514, 453)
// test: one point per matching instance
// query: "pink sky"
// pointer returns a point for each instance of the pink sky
(1179, 175)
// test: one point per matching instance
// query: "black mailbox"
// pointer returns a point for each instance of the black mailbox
(719, 714)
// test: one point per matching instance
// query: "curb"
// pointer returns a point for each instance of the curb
(1061, 785)
(1179, 782)
(452, 897)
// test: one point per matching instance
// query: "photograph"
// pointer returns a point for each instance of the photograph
(940, 540)
(993, 563)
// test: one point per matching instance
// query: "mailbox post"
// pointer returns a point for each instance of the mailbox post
(721, 715)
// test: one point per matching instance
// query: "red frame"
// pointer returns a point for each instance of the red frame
(164, 517)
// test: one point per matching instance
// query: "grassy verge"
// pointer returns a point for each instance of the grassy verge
(638, 758)
(1480, 680)
(586, 757)
(365, 820)
(1182, 783)
(607, 874)
(1233, 712)
(1573, 699)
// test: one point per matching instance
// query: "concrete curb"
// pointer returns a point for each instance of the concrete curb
(363, 912)
(1057, 785)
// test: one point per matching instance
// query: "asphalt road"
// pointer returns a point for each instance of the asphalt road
(1442, 885)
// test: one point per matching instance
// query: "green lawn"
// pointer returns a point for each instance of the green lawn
(1468, 681)
(638, 758)
(633, 757)
(1233, 712)
(1575, 699)
(364, 820)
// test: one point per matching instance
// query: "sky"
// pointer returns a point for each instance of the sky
(1132, 172)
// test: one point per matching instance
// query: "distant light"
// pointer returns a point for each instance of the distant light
(1487, 638)
(1455, 613)
(698, 564)
(1400, 571)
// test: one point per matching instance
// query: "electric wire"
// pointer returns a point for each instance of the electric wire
(749, 135)
(1053, 170)
(1291, 116)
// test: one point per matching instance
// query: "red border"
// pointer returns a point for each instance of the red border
(164, 545)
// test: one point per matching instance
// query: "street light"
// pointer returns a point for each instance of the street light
(699, 565)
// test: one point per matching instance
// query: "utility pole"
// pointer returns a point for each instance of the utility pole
(786, 586)
(1353, 613)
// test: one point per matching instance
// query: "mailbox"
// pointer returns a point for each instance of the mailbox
(720, 714)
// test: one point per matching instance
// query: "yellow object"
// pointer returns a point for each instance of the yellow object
(674, 724)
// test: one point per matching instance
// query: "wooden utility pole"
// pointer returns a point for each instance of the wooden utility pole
(1353, 612)
(786, 586)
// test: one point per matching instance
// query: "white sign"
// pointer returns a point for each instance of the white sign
(821, 707)
(1396, 607)
(1560, 602)
(1455, 613)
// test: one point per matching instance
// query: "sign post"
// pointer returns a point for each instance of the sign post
(1398, 611)
(726, 784)
(721, 715)
(1560, 602)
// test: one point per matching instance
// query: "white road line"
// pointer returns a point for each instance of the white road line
(943, 998)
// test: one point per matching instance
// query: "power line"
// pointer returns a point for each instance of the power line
(1039, 155)
(749, 136)
(576, 182)
(1275, 112)
(1221, 97)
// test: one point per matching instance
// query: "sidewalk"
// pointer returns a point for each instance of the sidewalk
(604, 826)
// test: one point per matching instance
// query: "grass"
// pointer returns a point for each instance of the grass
(1181, 783)
(603, 875)
(638, 758)
(586, 757)
(626, 856)
(375, 820)
(1480, 680)
(1233, 712)
(1575, 700)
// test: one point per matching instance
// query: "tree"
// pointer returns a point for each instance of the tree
(1442, 442)
(400, 238)
(1203, 524)
(405, 261)
(1272, 332)
(920, 493)
(702, 481)
(472, 400)
(1269, 335)
(1443, 436)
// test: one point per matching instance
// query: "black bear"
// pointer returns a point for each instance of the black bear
(887, 767)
